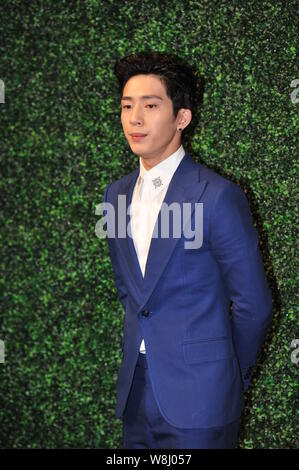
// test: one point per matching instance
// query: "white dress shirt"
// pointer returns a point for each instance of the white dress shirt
(148, 195)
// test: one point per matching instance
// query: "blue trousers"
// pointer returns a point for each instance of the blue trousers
(145, 428)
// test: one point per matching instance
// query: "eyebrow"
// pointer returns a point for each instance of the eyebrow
(144, 97)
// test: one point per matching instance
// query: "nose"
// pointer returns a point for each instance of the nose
(136, 116)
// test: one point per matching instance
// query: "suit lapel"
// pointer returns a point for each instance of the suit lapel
(126, 244)
(185, 187)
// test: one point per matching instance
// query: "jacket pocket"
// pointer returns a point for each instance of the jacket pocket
(207, 350)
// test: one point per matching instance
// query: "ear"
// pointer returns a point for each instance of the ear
(184, 118)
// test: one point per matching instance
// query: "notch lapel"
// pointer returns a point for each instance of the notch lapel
(185, 186)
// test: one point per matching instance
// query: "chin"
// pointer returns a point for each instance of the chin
(138, 148)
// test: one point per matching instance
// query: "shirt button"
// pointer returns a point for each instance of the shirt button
(145, 313)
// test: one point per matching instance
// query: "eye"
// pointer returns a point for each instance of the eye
(126, 106)
(153, 105)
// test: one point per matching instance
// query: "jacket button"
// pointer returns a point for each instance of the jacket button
(145, 313)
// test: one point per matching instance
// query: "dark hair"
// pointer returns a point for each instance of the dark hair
(179, 77)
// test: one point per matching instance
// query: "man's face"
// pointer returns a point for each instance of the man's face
(147, 110)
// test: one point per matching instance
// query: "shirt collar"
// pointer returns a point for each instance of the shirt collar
(160, 175)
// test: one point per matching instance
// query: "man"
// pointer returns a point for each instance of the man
(186, 362)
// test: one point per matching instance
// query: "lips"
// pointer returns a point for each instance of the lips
(137, 134)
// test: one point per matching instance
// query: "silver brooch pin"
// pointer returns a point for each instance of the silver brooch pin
(157, 182)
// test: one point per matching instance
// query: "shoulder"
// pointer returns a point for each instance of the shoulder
(124, 180)
(218, 184)
(214, 179)
(119, 186)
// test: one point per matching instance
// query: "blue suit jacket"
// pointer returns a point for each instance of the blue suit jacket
(200, 358)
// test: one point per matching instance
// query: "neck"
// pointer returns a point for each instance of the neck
(150, 161)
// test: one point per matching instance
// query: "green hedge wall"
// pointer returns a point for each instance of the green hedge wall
(62, 143)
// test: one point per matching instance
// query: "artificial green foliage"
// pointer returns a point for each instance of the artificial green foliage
(62, 143)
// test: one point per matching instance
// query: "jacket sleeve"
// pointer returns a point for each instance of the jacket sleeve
(234, 242)
(121, 288)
